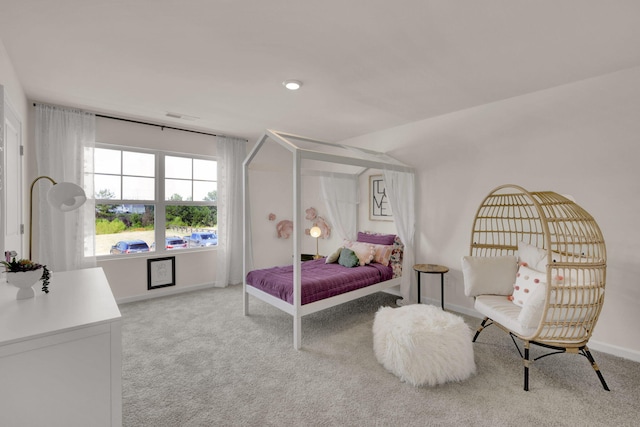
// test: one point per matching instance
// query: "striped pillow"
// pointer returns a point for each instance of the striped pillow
(383, 254)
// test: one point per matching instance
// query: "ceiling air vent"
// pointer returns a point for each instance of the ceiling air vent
(181, 116)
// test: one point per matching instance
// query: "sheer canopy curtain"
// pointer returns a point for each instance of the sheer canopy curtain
(401, 191)
(231, 153)
(64, 144)
(340, 193)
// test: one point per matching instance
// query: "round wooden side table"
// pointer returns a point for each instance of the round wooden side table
(432, 269)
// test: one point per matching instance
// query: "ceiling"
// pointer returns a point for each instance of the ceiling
(366, 65)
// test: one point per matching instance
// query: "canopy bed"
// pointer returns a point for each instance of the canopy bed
(536, 268)
(301, 288)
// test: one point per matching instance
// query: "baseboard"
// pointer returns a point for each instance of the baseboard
(614, 350)
(163, 292)
(452, 307)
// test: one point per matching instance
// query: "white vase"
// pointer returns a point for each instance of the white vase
(24, 281)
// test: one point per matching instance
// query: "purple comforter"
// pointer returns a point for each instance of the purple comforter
(319, 280)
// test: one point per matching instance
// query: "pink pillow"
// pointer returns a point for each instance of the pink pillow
(376, 239)
(383, 254)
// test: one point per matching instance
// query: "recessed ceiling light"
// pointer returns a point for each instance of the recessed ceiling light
(292, 84)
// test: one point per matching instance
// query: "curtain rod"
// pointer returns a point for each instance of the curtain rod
(163, 127)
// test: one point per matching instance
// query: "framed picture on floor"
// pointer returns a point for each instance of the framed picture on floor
(379, 207)
(161, 272)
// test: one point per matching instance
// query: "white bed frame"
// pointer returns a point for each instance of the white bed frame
(297, 310)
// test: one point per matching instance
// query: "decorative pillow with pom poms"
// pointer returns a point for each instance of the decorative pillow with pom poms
(527, 280)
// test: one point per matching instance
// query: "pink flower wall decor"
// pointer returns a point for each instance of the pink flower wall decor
(272, 217)
(284, 228)
(311, 214)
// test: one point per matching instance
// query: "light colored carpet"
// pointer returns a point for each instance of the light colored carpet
(194, 360)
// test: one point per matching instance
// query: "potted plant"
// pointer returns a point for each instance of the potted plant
(24, 273)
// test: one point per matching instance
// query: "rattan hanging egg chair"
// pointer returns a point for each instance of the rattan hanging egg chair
(560, 247)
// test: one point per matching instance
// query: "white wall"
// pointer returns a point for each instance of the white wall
(580, 139)
(128, 276)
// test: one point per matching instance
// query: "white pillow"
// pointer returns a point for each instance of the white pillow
(334, 256)
(532, 256)
(489, 275)
(527, 281)
(531, 312)
(536, 257)
(575, 276)
(364, 251)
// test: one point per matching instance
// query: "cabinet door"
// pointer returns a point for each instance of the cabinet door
(62, 380)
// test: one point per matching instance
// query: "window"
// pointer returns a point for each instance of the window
(144, 197)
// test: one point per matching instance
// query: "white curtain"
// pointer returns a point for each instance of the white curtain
(64, 143)
(400, 188)
(340, 193)
(231, 153)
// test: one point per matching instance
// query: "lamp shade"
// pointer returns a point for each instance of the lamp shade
(315, 231)
(66, 196)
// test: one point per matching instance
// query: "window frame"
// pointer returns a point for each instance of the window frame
(160, 204)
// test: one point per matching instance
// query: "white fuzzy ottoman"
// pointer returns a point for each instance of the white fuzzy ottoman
(421, 344)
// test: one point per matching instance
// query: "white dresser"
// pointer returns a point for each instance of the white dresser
(61, 353)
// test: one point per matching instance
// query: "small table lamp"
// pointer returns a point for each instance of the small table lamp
(315, 232)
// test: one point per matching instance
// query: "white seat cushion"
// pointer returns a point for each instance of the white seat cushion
(503, 311)
(509, 315)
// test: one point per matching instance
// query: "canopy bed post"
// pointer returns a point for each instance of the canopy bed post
(246, 236)
(246, 223)
(297, 241)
